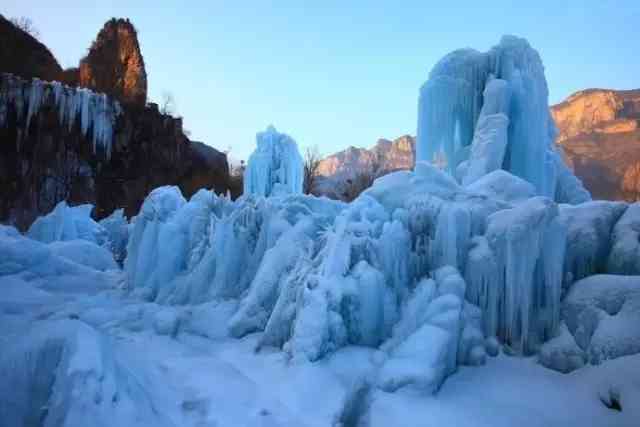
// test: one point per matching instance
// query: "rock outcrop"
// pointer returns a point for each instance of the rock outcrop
(52, 152)
(103, 145)
(21, 54)
(599, 130)
(114, 64)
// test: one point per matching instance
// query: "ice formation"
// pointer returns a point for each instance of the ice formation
(94, 112)
(275, 167)
(479, 112)
(68, 223)
(625, 251)
(315, 275)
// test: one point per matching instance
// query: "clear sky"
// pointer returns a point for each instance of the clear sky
(335, 73)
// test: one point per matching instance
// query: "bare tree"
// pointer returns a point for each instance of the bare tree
(312, 160)
(168, 104)
(349, 189)
(631, 183)
(236, 179)
(26, 25)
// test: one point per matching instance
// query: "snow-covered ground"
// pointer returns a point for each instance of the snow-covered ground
(149, 375)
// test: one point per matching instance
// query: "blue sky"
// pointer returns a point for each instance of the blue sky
(334, 74)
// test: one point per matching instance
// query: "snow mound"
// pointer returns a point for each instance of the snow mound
(275, 167)
(504, 186)
(84, 253)
(602, 314)
(53, 268)
(479, 112)
(65, 373)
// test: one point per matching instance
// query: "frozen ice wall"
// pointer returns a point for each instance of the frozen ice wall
(275, 167)
(479, 112)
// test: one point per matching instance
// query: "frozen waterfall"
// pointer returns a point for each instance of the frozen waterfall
(96, 112)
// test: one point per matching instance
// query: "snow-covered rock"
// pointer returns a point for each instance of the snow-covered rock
(625, 251)
(275, 167)
(602, 314)
(589, 237)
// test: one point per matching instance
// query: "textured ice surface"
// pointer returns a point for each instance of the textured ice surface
(315, 275)
(117, 230)
(65, 373)
(589, 237)
(275, 167)
(68, 223)
(625, 251)
(479, 112)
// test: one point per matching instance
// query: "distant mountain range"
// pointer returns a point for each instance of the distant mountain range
(598, 129)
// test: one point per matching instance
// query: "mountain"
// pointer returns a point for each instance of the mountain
(599, 130)
(94, 139)
(385, 155)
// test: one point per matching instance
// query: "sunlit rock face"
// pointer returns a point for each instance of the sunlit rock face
(275, 167)
(386, 155)
(599, 131)
(478, 112)
(114, 64)
(597, 110)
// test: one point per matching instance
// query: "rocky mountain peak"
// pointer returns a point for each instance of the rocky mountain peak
(114, 64)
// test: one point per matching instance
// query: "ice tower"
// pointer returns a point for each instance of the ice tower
(275, 167)
(479, 112)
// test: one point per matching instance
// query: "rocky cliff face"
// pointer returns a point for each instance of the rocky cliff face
(61, 142)
(600, 134)
(385, 156)
(114, 64)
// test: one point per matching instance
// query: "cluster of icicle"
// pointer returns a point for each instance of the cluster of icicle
(479, 112)
(96, 112)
